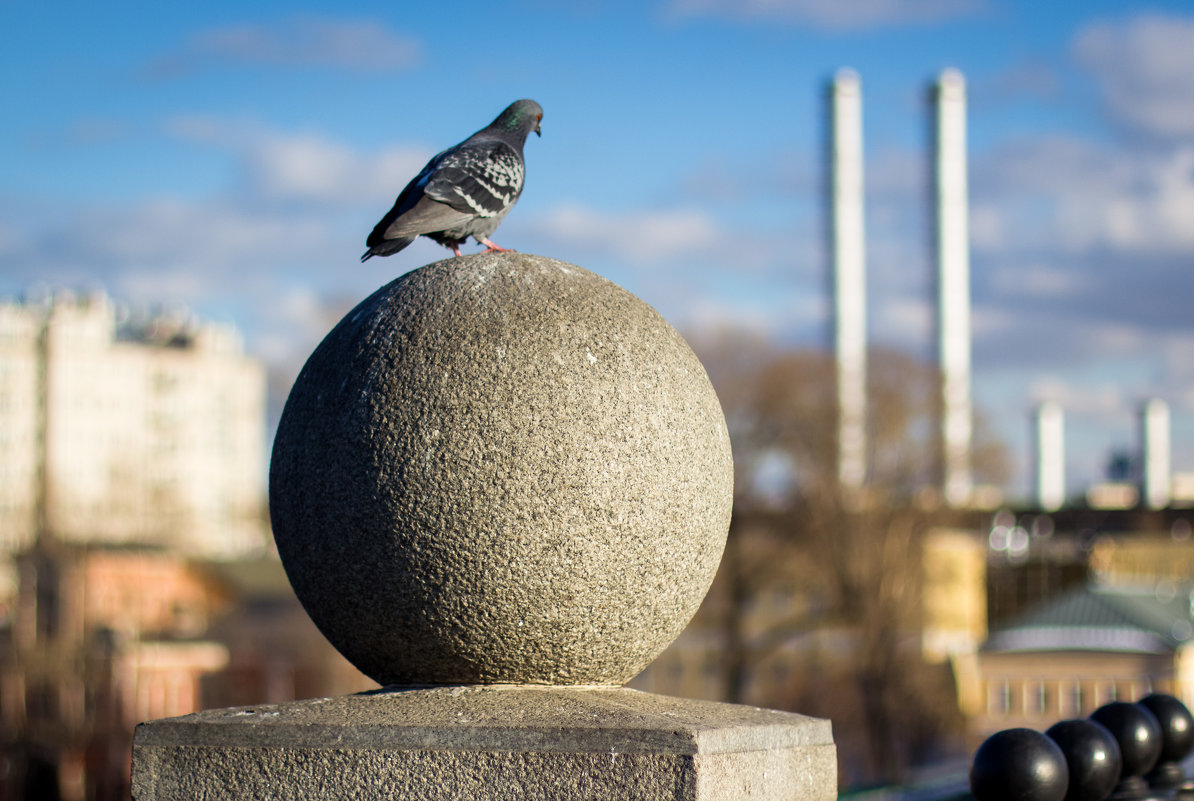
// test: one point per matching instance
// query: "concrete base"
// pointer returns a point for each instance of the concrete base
(487, 742)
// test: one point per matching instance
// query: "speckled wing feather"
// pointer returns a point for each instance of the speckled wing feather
(482, 179)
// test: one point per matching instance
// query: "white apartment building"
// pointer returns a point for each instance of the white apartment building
(148, 433)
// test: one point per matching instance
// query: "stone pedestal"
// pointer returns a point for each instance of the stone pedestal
(487, 742)
(507, 480)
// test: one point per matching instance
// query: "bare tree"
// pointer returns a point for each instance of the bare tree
(859, 553)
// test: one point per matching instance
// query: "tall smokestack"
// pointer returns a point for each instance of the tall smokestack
(1050, 456)
(1155, 481)
(848, 248)
(952, 251)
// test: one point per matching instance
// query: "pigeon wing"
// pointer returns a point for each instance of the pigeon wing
(426, 216)
(481, 179)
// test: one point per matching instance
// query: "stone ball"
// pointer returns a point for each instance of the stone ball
(501, 468)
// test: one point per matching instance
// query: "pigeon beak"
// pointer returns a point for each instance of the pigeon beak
(538, 128)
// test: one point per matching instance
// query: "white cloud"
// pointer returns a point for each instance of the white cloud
(1040, 280)
(905, 321)
(707, 317)
(295, 323)
(364, 45)
(830, 14)
(1074, 196)
(311, 167)
(638, 237)
(174, 250)
(305, 166)
(1143, 66)
(1179, 358)
(896, 173)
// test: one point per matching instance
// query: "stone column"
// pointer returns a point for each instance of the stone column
(500, 487)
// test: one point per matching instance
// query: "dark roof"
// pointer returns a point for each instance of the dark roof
(1125, 619)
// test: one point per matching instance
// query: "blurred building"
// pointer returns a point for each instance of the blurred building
(993, 621)
(105, 636)
(101, 638)
(1087, 606)
(118, 430)
(275, 652)
(1083, 649)
(952, 594)
(132, 462)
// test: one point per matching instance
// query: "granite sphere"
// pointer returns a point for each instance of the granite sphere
(501, 468)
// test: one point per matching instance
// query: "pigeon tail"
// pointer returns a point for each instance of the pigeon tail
(386, 247)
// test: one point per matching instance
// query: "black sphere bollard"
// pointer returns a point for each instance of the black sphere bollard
(1139, 736)
(1177, 738)
(1019, 765)
(1092, 755)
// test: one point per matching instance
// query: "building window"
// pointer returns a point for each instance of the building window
(1109, 693)
(998, 698)
(1034, 698)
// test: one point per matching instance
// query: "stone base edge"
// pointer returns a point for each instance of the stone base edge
(532, 745)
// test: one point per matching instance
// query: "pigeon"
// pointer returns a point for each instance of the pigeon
(464, 191)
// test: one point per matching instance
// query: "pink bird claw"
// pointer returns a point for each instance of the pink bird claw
(492, 248)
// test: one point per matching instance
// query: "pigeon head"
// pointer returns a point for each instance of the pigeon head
(520, 118)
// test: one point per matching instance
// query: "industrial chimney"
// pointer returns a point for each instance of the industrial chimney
(952, 252)
(1050, 456)
(1155, 468)
(847, 247)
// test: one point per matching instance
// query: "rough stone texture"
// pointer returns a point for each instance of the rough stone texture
(501, 468)
(488, 742)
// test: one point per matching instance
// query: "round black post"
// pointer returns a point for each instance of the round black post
(1019, 765)
(1138, 733)
(1092, 755)
(1177, 738)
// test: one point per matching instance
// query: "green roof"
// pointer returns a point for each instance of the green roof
(1128, 619)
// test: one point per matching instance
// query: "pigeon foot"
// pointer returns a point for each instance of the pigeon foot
(492, 248)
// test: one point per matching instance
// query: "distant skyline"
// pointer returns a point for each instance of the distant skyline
(232, 159)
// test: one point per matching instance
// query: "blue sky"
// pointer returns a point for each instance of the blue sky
(231, 158)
